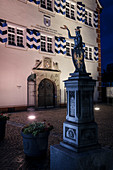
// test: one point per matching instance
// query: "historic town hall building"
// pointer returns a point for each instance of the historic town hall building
(35, 53)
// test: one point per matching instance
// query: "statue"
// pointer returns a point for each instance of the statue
(77, 51)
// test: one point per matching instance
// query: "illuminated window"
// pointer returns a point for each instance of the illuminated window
(47, 4)
(89, 52)
(69, 47)
(16, 36)
(70, 10)
(88, 18)
(46, 43)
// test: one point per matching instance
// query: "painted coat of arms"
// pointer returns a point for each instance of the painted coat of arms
(47, 21)
(78, 59)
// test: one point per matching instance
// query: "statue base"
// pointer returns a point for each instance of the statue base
(79, 75)
(64, 159)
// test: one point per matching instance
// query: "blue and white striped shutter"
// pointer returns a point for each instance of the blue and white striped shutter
(35, 1)
(57, 6)
(83, 13)
(3, 31)
(63, 45)
(63, 7)
(79, 11)
(57, 45)
(96, 53)
(96, 19)
(83, 45)
(29, 38)
(36, 39)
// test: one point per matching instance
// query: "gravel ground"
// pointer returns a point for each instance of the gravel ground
(11, 149)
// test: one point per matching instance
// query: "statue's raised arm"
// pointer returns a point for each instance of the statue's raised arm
(77, 39)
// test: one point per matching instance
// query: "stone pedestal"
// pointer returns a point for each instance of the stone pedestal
(80, 129)
(79, 149)
(65, 159)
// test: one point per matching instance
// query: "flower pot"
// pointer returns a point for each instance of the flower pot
(35, 146)
(2, 129)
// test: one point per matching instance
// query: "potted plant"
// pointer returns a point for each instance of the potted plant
(3, 120)
(35, 138)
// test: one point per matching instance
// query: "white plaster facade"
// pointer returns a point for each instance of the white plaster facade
(16, 63)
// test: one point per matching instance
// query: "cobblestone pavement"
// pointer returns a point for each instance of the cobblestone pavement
(11, 149)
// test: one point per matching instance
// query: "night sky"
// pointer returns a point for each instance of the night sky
(107, 32)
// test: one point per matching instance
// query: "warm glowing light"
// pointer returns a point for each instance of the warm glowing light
(97, 108)
(31, 117)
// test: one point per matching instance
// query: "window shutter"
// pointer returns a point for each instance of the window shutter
(95, 19)
(63, 45)
(35, 1)
(36, 39)
(57, 45)
(30, 38)
(96, 53)
(60, 6)
(63, 7)
(33, 39)
(3, 31)
(57, 6)
(80, 12)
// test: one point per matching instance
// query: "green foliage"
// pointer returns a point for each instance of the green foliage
(3, 117)
(36, 128)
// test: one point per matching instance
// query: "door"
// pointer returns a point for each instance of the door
(31, 94)
(46, 94)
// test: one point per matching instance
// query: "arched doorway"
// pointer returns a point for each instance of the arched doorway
(46, 94)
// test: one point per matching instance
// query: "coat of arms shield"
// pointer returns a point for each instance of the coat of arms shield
(78, 60)
(47, 20)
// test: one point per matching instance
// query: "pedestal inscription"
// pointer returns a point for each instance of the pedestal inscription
(72, 103)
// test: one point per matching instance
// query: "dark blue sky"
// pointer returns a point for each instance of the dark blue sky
(107, 32)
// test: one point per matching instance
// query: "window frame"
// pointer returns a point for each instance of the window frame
(89, 52)
(70, 10)
(46, 43)
(46, 7)
(16, 35)
(89, 17)
(69, 47)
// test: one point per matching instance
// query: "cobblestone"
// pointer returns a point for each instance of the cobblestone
(11, 149)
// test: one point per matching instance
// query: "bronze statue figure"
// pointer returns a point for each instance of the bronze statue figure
(78, 51)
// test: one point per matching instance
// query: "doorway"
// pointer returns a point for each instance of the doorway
(46, 94)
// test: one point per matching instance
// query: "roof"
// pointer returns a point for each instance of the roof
(99, 4)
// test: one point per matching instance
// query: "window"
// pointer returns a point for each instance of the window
(46, 43)
(16, 36)
(47, 4)
(70, 10)
(88, 18)
(69, 47)
(89, 53)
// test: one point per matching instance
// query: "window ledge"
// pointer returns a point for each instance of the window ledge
(91, 61)
(45, 11)
(70, 19)
(89, 26)
(16, 47)
(47, 53)
(69, 57)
